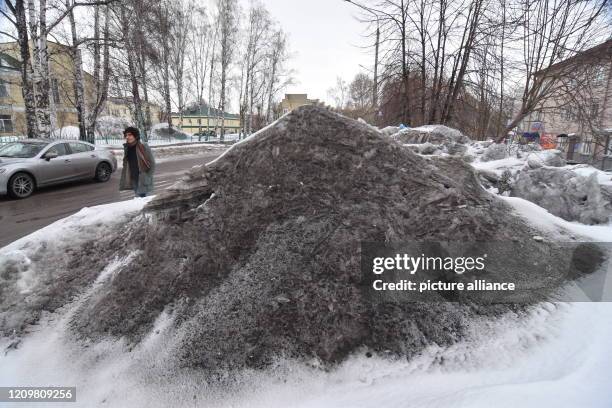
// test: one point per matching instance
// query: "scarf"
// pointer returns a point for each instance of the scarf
(143, 160)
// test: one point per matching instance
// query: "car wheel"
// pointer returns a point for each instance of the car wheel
(21, 185)
(103, 172)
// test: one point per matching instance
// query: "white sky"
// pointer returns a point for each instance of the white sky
(325, 39)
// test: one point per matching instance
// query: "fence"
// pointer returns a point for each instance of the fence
(119, 140)
(9, 139)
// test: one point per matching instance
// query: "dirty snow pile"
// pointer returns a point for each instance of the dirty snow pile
(238, 285)
(256, 255)
(162, 131)
(430, 139)
(573, 192)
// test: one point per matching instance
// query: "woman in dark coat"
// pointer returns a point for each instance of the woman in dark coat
(138, 164)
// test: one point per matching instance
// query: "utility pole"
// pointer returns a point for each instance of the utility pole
(375, 87)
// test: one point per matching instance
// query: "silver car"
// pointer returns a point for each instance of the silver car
(31, 163)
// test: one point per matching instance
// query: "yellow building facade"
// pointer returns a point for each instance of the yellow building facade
(61, 97)
(294, 101)
(121, 108)
(198, 120)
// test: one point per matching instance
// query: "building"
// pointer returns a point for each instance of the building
(578, 118)
(61, 69)
(123, 108)
(294, 101)
(202, 120)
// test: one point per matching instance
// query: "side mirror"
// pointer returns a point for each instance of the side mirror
(50, 155)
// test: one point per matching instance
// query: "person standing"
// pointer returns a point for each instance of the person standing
(138, 164)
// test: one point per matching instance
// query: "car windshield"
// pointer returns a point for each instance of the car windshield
(21, 149)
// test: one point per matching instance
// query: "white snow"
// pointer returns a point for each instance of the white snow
(603, 177)
(498, 166)
(88, 223)
(559, 356)
(544, 220)
(66, 132)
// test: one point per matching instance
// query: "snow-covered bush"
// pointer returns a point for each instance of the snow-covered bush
(66, 132)
(162, 131)
(436, 134)
(564, 193)
(494, 151)
(435, 139)
(551, 158)
(390, 130)
(111, 127)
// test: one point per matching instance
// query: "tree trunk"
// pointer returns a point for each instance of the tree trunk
(101, 84)
(78, 76)
(27, 89)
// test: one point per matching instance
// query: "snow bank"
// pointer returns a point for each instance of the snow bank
(162, 131)
(548, 355)
(430, 139)
(575, 193)
(560, 229)
(564, 193)
(32, 268)
(436, 134)
(227, 240)
(495, 151)
(604, 178)
(108, 127)
(66, 132)
(558, 356)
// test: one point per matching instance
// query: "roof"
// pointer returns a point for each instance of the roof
(599, 52)
(125, 101)
(8, 62)
(48, 42)
(203, 111)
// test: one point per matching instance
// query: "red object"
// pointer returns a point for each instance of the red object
(548, 141)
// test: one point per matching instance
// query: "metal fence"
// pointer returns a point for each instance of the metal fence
(9, 139)
(119, 140)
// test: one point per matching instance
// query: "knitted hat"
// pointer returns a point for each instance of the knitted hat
(132, 130)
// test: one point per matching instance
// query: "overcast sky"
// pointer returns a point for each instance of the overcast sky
(325, 38)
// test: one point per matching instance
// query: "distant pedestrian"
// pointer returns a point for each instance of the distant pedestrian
(138, 164)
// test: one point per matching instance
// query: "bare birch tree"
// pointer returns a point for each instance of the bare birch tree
(18, 11)
(228, 27)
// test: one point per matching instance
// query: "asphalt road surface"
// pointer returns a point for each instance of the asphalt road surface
(19, 218)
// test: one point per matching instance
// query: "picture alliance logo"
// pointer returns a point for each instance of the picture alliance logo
(411, 264)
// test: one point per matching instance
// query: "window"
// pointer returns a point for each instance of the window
(77, 147)
(22, 149)
(599, 76)
(586, 146)
(6, 124)
(60, 149)
(5, 89)
(55, 91)
(594, 110)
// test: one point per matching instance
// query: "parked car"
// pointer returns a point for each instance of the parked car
(32, 163)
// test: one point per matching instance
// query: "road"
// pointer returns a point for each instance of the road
(19, 218)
